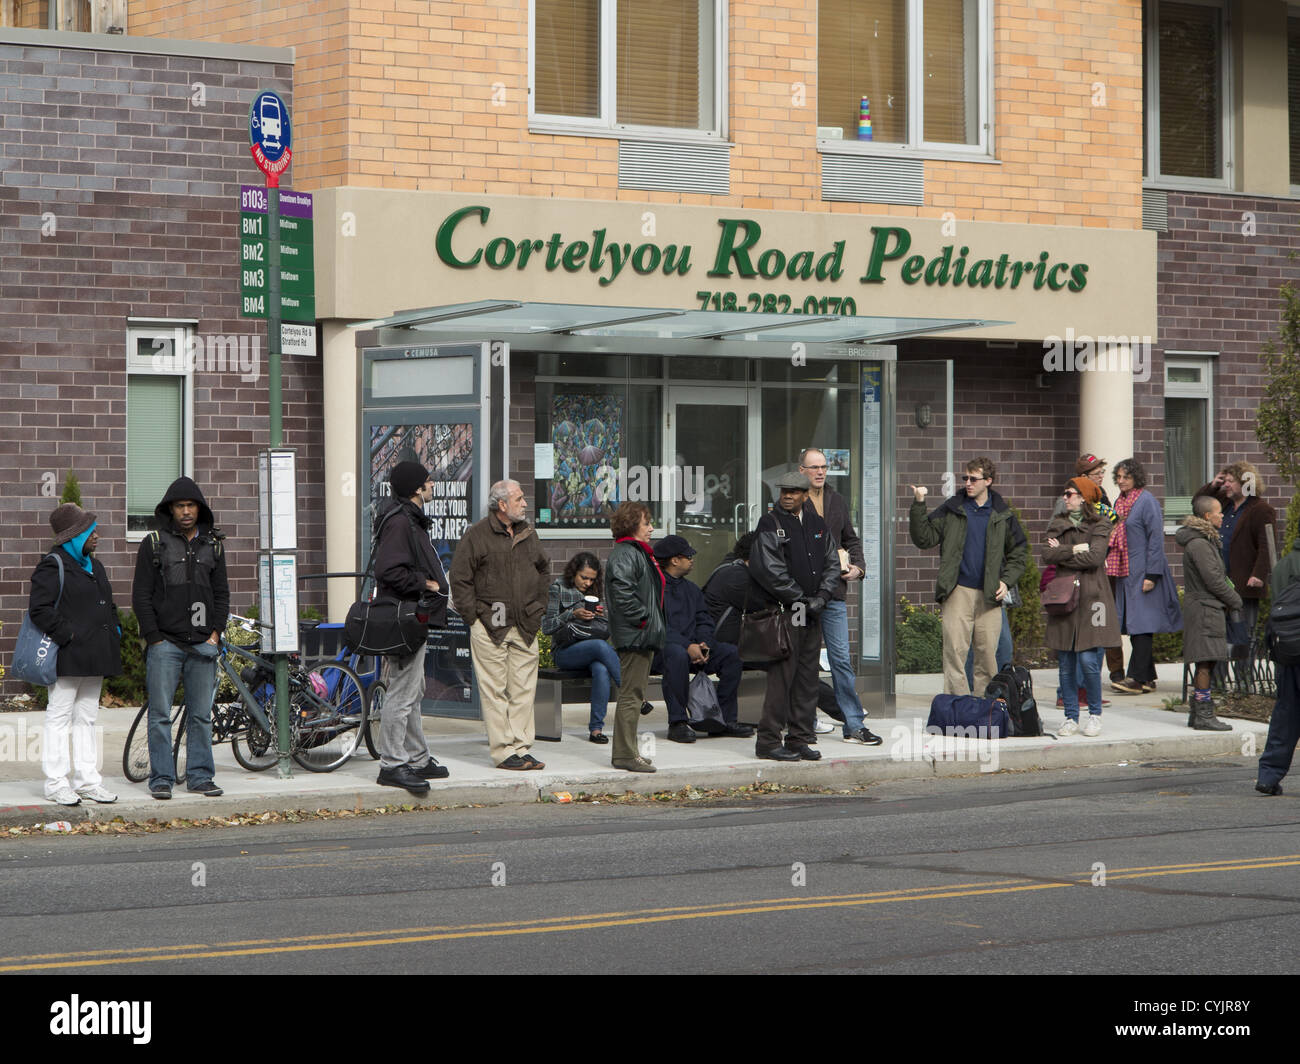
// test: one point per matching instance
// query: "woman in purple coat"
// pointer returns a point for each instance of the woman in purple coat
(1145, 596)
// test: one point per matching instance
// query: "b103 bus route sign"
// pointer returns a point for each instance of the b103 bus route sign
(270, 136)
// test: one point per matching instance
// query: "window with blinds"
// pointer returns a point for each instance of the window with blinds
(1293, 92)
(657, 61)
(1191, 90)
(916, 63)
(566, 63)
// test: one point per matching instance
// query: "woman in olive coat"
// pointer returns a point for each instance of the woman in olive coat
(1076, 545)
(1207, 593)
(82, 620)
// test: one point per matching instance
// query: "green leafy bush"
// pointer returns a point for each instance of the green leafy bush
(546, 656)
(1028, 622)
(919, 638)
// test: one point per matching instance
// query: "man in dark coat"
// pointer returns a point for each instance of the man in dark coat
(72, 602)
(408, 569)
(1207, 594)
(796, 561)
(1284, 724)
(1246, 552)
(182, 600)
(691, 643)
(730, 591)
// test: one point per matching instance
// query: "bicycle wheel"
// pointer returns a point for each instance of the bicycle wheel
(329, 728)
(252, 746)
(377, 691)
(135, 755)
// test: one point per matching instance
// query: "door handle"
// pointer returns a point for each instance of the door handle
(736, 512)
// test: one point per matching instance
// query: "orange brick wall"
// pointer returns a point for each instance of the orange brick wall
(432, 95)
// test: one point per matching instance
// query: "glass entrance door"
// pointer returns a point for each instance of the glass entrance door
(708, 453)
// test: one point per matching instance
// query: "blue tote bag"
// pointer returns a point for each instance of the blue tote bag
(36, 654)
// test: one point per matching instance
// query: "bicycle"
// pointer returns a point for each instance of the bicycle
(375, 687)
(328, 713)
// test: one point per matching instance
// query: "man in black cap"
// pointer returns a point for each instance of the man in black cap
(181, 599)
(407, 568)
(690, 644)
(796, 560)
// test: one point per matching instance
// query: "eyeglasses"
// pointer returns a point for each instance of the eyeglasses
(972, 480)
(1070, 494)
(815, 468)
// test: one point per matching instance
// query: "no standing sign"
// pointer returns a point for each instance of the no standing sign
(270, 136)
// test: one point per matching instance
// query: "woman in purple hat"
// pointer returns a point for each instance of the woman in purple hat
(72, 602)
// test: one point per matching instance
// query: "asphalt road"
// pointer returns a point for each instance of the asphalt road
(1175, 869)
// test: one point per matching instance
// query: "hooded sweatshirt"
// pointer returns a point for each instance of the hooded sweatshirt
(180, 591)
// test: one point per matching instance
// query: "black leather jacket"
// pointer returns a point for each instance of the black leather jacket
(794, 560)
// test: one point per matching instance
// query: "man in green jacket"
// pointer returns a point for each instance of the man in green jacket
(500, 580)
(982, 553)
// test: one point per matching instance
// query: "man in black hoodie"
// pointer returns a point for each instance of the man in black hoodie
(181, 599)
(408, 569)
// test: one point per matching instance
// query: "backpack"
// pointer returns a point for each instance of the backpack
(1282, 634)
(1016, 687)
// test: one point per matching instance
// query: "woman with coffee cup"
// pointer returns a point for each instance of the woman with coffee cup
(575, 620)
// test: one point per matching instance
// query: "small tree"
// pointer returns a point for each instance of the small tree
(71, 489)
(1277, 424)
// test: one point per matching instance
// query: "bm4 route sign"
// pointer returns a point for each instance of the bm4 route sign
(297, 272)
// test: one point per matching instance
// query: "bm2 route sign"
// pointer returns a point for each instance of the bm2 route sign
(297, 272)
(270, 136)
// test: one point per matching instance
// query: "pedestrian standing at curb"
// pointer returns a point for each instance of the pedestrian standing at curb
(71, 601)
(1076, 545)
(1207, 594)
(407, 569)
(982, 554)
(1145, 596)
(499, 581)
(182, 600)
(1284, 724)
(636, 623)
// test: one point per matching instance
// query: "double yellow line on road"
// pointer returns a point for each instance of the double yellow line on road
(595, 921)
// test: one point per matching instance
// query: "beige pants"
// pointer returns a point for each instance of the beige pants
(967, 615)
(507, 684)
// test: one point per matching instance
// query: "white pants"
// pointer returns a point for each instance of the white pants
(70, 722)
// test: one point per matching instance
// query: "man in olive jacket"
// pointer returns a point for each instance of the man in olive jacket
(982, 553)
(500, 579)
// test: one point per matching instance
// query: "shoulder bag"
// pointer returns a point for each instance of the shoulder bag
(1061, 596)
(383, 626)
(36, 654)
(764, 637)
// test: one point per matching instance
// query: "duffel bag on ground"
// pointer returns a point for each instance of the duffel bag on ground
(384, 626)
(967, 716)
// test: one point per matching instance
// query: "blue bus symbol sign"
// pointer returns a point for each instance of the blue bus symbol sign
(270, 135)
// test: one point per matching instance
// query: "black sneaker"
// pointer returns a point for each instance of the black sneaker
(515, 762)
(863, 737)
(161, 791)
(432, 771)
(1269, 788)
(680, 733)
(404, 777)
(207, 788)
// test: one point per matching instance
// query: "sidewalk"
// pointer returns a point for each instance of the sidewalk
(1134, 729)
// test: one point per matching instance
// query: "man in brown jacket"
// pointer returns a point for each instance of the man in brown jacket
(499, 583)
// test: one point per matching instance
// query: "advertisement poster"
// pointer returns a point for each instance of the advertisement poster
(447, 451)
(586, 444)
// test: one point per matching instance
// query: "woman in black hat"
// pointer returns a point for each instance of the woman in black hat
(72, 602)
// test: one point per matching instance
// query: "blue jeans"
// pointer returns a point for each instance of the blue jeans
(1003, 655)
(601, 660)
(165, 665)
(1080, 668)
(1100, 652)
(835, 634)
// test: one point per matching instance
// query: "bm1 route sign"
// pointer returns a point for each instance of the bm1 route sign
(297, 272)
(270, 136)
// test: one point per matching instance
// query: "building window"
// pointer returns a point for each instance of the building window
(1293, 91)
(1189, 431)
(614, 66)
(1186, 91)
(159, 416)
(919, 73)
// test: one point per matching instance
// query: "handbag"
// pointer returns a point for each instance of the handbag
(383, 626)
(1061, 597)
(702, 707)
(764, 636)
(36, 654)
(579, 631)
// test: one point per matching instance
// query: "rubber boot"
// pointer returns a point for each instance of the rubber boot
(1203, 718)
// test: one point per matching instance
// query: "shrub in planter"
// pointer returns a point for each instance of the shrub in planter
(919, 638)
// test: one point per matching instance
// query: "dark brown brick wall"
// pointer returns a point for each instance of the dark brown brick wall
(143, 186)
